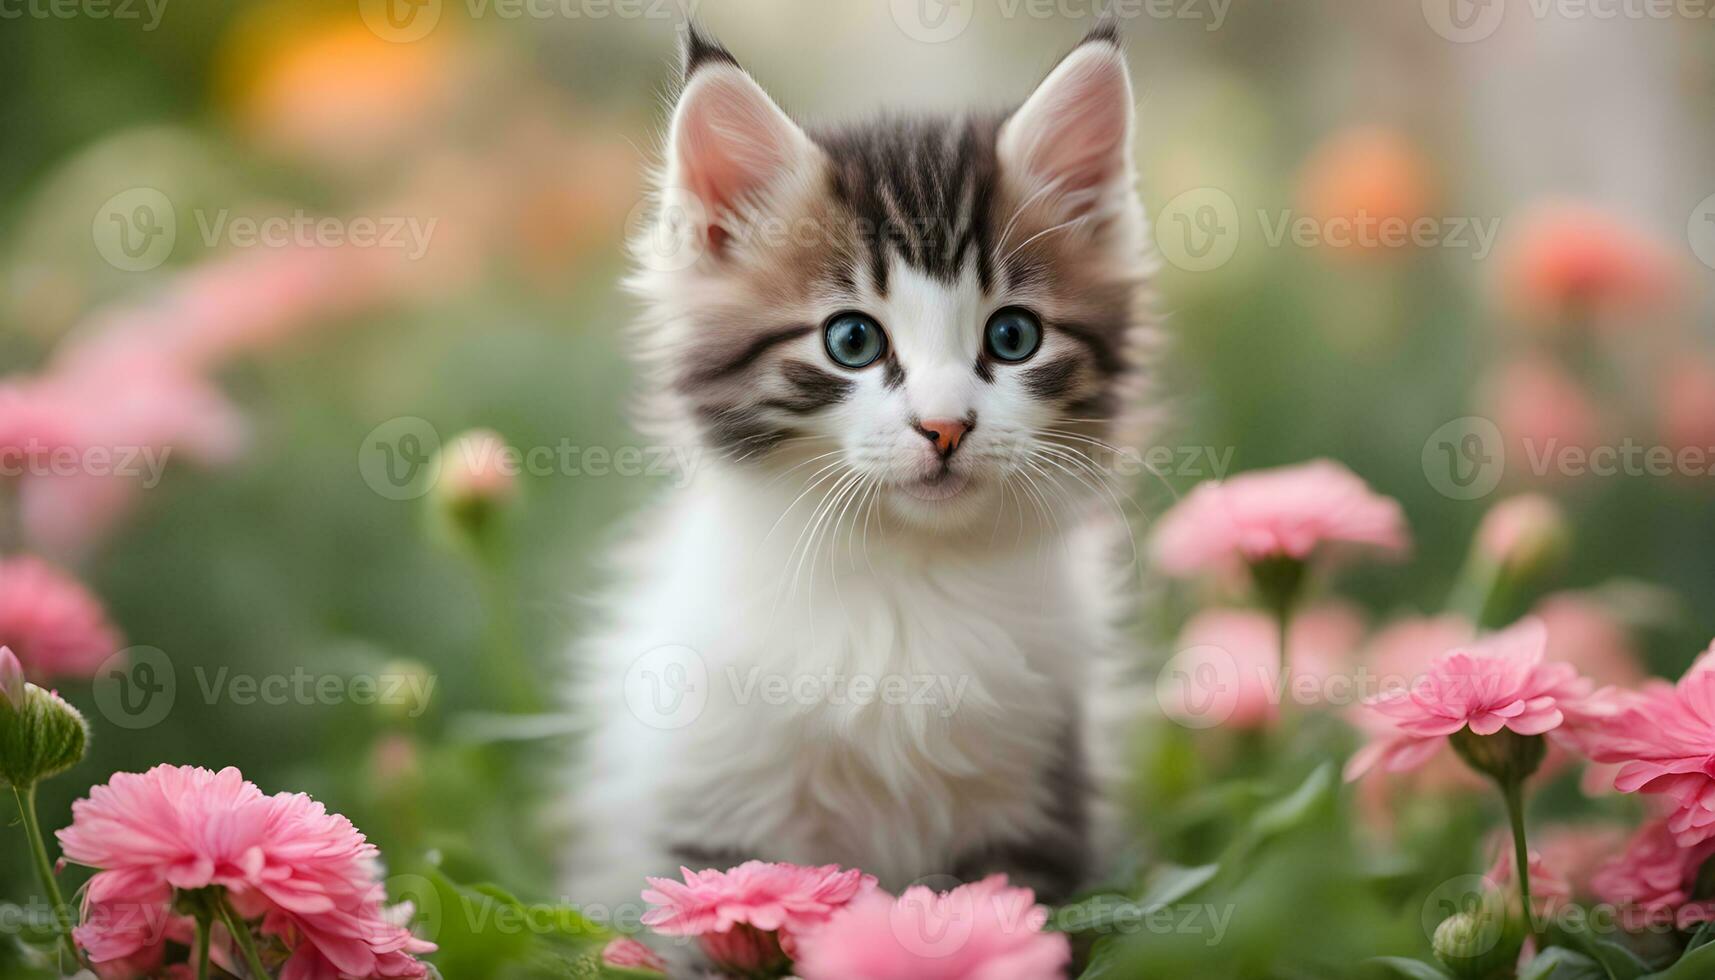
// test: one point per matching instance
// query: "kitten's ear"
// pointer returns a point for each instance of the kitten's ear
(1074, 133)
(729, 141)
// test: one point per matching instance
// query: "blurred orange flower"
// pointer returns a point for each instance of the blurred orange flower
(1368, 177)
(331, 91)
(1566, 262)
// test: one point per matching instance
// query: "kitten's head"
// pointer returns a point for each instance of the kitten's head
(949, 308)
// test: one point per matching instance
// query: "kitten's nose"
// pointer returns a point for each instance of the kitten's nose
(944, 433)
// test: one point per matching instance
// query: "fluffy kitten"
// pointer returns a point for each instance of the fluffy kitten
(869, 629)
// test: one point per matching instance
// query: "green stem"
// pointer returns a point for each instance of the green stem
(241, 935)
(202, 946)
(506, 657)
(1513, 792)
(1283, 626)
(45, 867)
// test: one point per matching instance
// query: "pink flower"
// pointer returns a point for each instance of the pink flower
(51, 622)
(307, 875)
(1498, 682)
(1522, 531)
(1228, 669)
(1574, 853)
(1293, 512)
(745, 917)
(981, 931)
(629, 954)
(1541, 410)
(1686, 403)
(1654, 878)
(1566, 261)
(478, 466)
(1665, 736)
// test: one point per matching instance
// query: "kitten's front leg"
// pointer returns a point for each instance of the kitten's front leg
(1057, 860)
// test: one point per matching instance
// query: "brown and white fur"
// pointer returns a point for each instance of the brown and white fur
(828, 543)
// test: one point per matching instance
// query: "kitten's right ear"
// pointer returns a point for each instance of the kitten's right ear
(729, 142)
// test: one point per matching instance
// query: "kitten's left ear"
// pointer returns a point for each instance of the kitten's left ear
(729, 143)
(1074, 133)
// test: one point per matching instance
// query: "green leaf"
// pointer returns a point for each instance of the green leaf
(1172, 883)
(1616, 961)
(1704, 934)
(1415, 969)
(1560, 963)
(1696, 964)
(1167, 886)
(1296, 808)
(1104, 960)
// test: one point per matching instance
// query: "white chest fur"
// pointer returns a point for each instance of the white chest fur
(902, 707)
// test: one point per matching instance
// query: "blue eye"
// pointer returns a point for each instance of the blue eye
(1013, 334)
(854, 340)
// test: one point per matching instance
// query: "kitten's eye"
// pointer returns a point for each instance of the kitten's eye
(1013, 334)
(854, 340)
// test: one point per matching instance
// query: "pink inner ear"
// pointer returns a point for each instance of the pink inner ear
(1073, 131)
(730, 142)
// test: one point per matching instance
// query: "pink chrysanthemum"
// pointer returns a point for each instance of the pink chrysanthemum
(1654, 878)
(981, 931)
(1665, 738)
(1293, 512)
(1498, 682)
(307, 875)
(1548, 888)
(747, 917)
(51, 622)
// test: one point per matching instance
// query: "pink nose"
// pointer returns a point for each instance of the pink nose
(944, 433)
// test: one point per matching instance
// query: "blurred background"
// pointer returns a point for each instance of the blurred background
(268, 237)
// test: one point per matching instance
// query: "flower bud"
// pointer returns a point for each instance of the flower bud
(1524, 535)
(40, 734)
(478, 479)
(1506, 756)
(1480, 944)
(628, 957)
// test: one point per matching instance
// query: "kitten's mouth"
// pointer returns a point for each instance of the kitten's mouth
(944, 485)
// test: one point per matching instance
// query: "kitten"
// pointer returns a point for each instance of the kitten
(870, 629)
